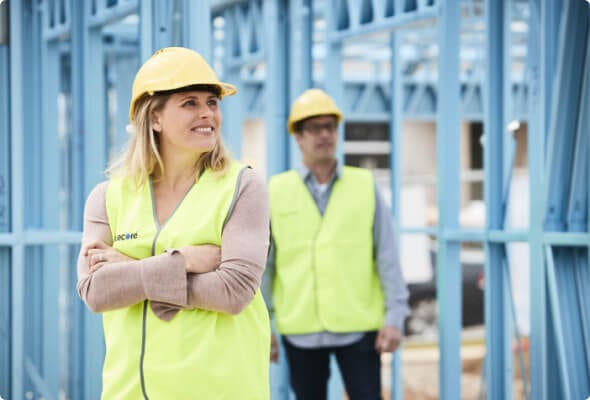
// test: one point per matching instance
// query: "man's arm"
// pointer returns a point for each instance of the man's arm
(268, 277)
(266, 288)
(390, 274)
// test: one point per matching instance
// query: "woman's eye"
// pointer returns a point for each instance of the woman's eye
(212, 103)
(188, 103)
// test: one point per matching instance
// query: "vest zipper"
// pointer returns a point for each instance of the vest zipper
(313, 261)
(145, 303)
(143, 331)
(144, 320)
(143, 323)
(315, 280)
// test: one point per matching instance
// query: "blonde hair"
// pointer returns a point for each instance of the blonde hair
(141, 156)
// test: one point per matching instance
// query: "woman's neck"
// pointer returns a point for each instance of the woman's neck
(178, 173)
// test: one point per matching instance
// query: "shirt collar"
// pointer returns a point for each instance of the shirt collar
(306, 174)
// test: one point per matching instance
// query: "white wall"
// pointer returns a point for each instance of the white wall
(254, 145)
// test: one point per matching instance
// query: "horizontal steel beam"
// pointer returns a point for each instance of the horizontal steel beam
(33, 238)
(220, 5)
(404, 21)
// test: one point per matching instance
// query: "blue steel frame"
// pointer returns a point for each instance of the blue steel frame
(38, 251)
(565, 198)
(448, 268)
(395, 141)
(498, 362)
(5, 237)
(370, 100)
(5, 249)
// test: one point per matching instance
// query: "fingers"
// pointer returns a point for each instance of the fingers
(96, 256)
(274, 349)
(390, 345)
(104, 255)
(274, 354)
(201, 258)
(380, 341)
(388, 340)
(385, 346)
(95, 244)
(395, 344)
(96, 266)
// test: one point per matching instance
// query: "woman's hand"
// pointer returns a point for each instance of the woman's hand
(100, 253)
(202, 258)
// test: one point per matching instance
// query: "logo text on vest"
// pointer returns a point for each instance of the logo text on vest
(125, 236)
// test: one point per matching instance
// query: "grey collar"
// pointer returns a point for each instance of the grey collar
(305, 174)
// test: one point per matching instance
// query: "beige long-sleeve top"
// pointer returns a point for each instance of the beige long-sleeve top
(163, 278)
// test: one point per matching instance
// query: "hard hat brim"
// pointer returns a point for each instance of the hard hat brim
(292, 124)
(225, 89)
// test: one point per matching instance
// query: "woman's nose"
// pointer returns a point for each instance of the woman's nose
(204, 112)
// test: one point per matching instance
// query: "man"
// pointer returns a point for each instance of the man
(333, 274)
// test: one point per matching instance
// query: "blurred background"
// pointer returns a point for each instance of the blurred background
(472, 115)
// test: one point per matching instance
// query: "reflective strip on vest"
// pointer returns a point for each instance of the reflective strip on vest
(325, 278)
(198, 354)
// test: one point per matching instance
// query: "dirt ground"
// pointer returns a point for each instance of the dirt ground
(420, 372)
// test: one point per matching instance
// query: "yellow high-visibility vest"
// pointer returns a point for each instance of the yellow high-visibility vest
(325, 277)
(198, 354)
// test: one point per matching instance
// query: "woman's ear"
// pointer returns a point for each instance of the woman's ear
(155, 120)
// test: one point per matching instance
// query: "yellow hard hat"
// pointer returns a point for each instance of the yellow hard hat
(312, 103)
(174, 68)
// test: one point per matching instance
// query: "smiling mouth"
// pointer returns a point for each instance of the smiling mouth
(203, 130)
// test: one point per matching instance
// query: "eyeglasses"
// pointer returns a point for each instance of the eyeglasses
(316, 129)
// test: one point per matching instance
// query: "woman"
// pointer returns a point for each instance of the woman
(174, 246)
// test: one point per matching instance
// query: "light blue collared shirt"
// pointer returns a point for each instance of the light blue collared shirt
(388, 267)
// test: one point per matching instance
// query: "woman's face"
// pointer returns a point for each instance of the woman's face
(189, 122)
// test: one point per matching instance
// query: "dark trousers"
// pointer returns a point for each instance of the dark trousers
(359, 363)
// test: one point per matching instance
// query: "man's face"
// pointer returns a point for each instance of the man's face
(318, 138)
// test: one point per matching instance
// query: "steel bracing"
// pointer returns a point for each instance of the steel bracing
(66, 69)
